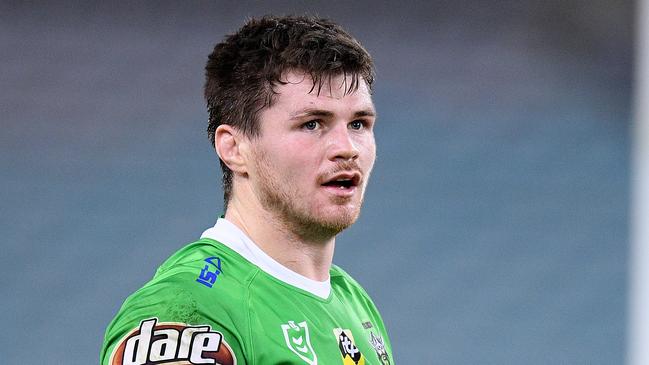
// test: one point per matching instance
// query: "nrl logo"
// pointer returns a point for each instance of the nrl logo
(298, 340)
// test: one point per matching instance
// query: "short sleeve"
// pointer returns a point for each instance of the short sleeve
(171, 320)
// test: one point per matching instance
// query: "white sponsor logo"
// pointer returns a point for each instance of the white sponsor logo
(172, 342)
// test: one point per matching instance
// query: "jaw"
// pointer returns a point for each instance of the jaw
(339, 209)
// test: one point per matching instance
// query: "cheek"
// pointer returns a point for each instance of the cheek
(295, 160)
(369, 152)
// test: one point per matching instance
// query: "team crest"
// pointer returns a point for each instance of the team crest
(298, 340)
(168, 343)
(379, 346)
(350, 353)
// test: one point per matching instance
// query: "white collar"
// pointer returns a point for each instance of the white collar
(230, 235)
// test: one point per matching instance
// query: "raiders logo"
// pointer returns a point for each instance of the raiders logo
(172, 343)
(379, 346)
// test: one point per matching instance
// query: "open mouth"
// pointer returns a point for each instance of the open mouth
(343, 181)
(342, 184)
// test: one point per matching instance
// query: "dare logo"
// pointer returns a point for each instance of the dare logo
(172, 343)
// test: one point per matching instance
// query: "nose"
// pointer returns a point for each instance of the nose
(342, 145)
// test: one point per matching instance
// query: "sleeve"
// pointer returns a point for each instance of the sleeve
(173, 320)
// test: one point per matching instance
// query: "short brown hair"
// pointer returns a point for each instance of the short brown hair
(242, 70)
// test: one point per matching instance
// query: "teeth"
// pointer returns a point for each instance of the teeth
(342, 183)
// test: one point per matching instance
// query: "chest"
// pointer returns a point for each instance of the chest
(291, 329)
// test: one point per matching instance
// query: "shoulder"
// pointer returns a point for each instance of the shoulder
(342, 278)
(203, 265)
(197, 254)
(343, 282)
(201, 272)
(201, 288)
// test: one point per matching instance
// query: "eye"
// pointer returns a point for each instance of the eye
(311, 125)
(357, 124)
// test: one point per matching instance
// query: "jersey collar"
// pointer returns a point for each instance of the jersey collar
(231, 236)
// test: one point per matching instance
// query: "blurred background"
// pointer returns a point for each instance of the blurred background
(495, 226)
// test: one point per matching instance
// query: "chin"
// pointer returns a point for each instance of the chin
(319, 220)
(339, 219)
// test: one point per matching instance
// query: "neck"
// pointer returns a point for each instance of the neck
(307, 255)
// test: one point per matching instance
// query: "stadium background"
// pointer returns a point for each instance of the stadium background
(495, 226)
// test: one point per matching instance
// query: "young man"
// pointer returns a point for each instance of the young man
(291, 118)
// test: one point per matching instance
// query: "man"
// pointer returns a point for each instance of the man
(291, 119)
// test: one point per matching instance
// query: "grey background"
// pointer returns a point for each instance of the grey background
(495, 227)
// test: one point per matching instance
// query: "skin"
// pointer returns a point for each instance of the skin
(306, 139)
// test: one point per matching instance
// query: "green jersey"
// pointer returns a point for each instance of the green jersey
(222, 300)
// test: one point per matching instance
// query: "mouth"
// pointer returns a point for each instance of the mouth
(345, 181)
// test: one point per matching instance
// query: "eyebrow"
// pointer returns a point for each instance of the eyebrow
(311, 112)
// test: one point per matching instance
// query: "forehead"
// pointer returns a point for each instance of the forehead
(298, 91)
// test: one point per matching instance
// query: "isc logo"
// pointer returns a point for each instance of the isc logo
(172, 343)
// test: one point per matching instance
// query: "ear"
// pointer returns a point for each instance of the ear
(231, 147)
